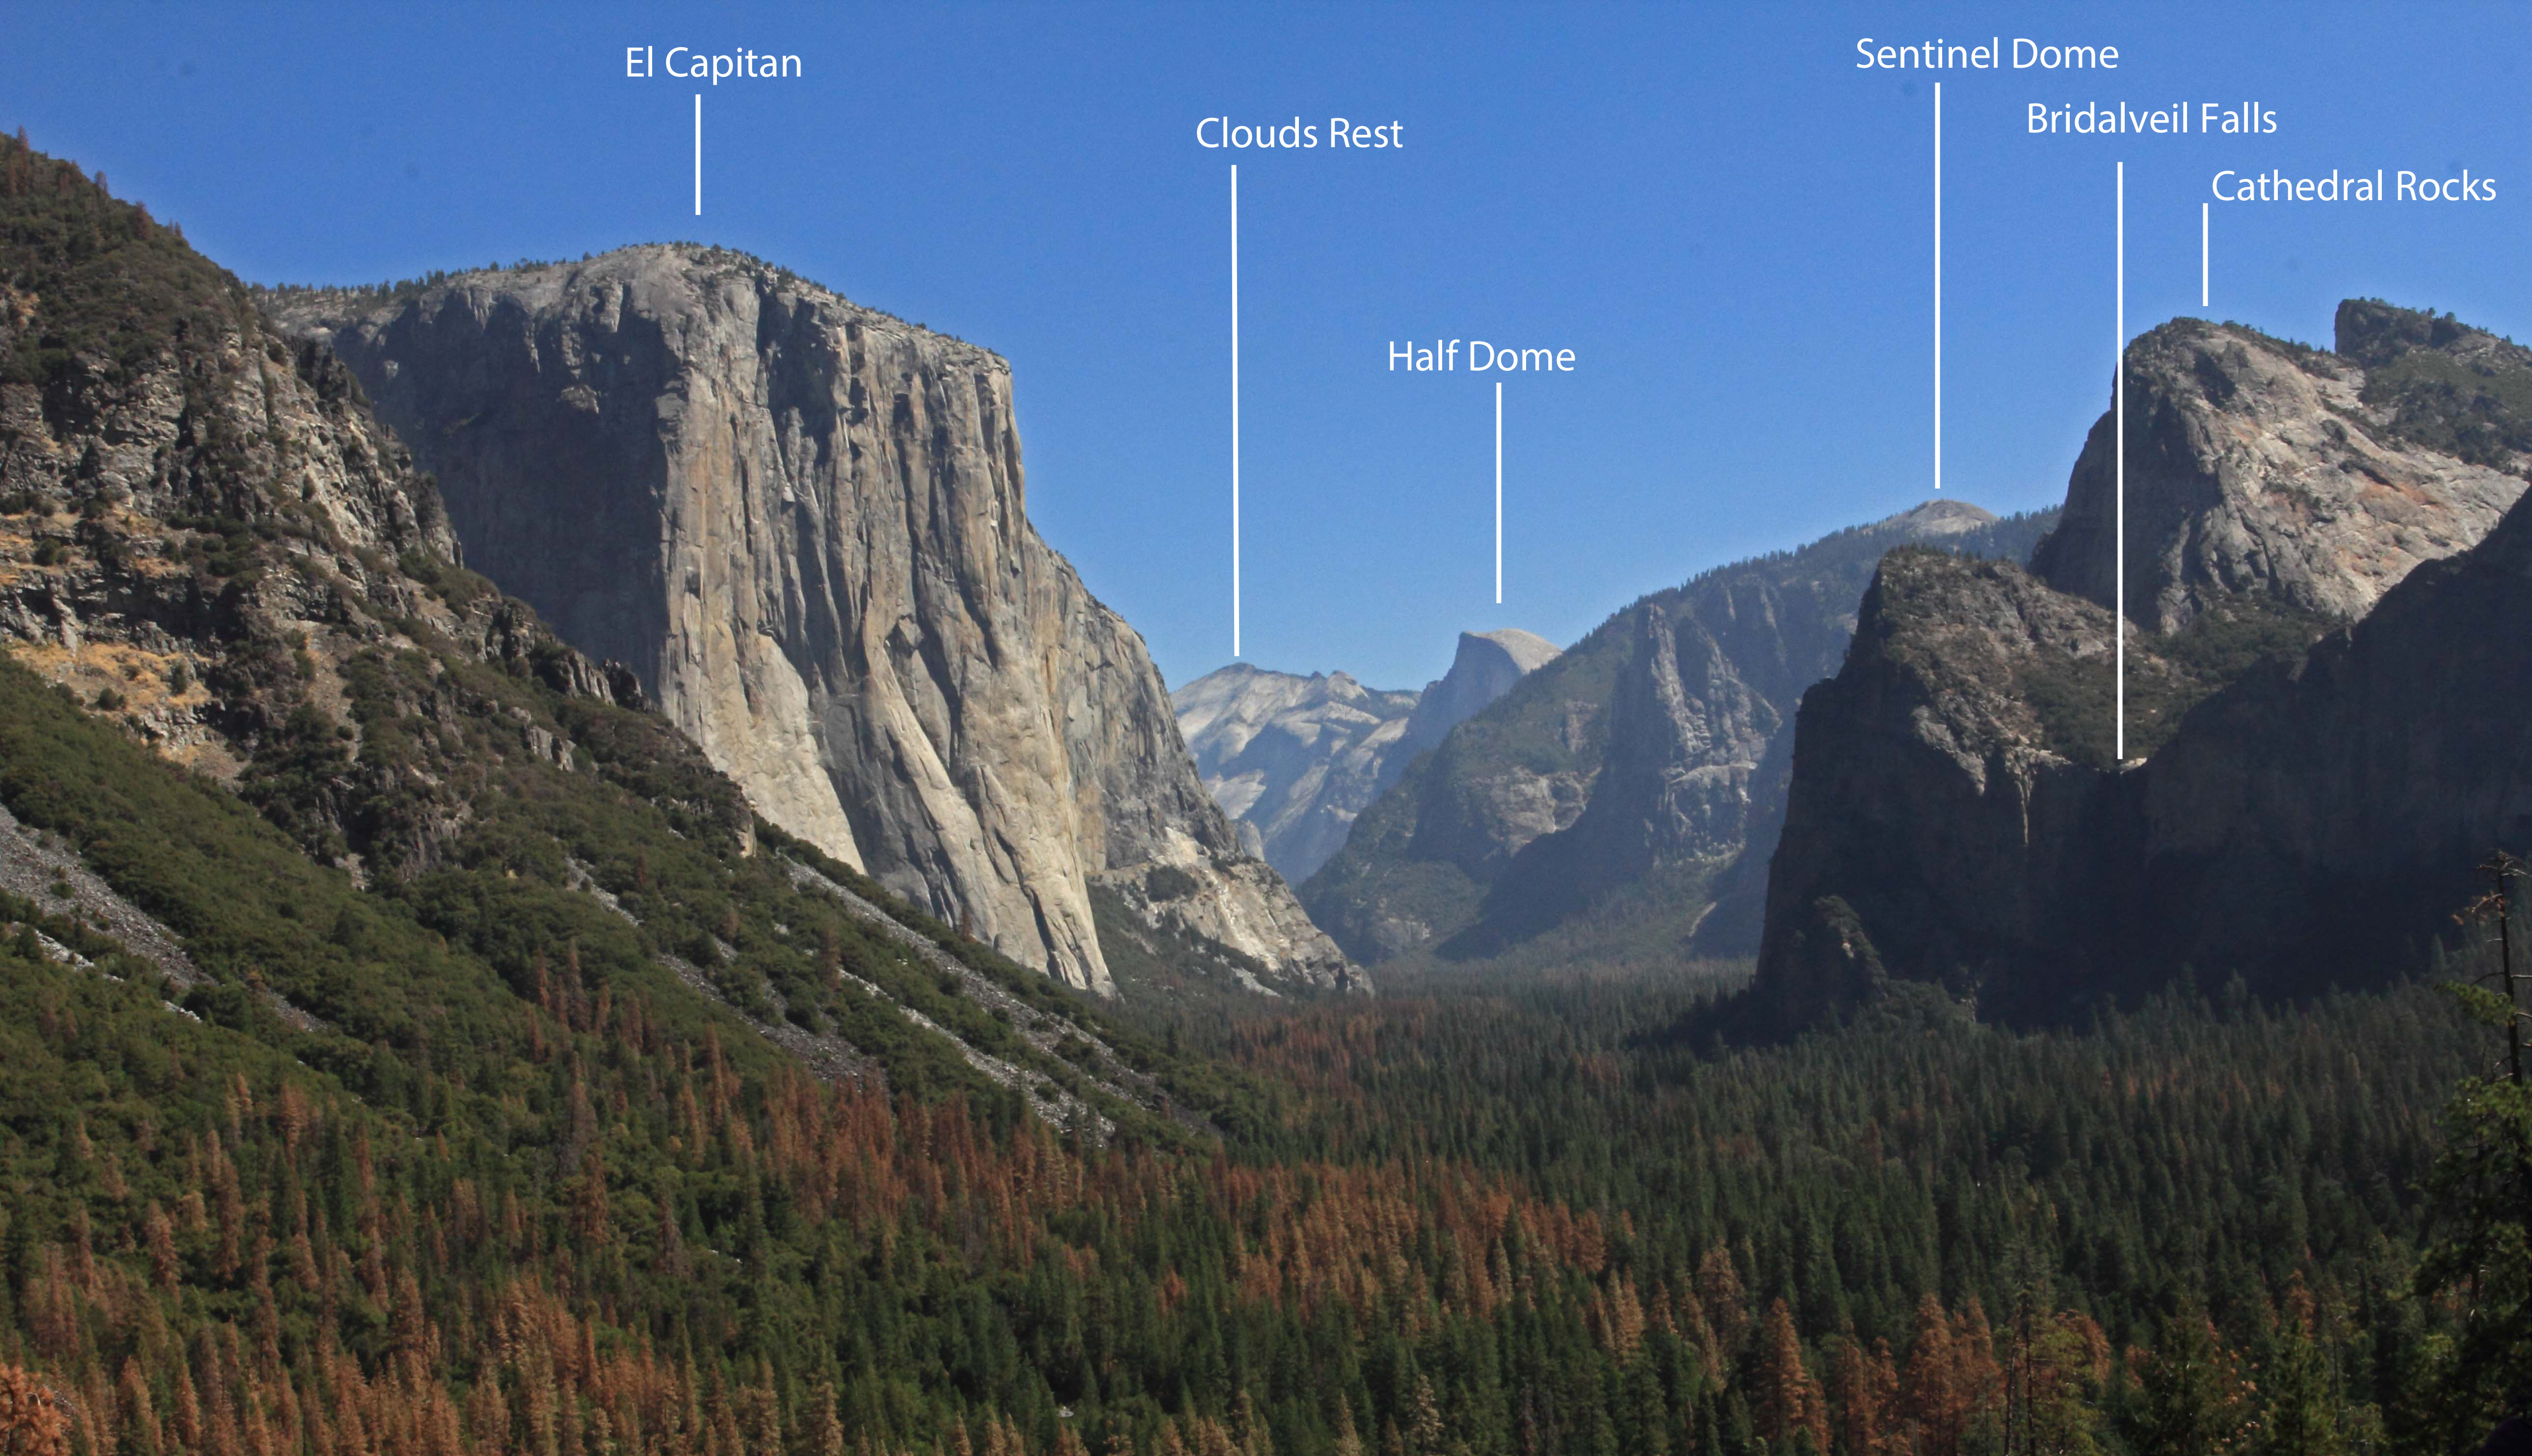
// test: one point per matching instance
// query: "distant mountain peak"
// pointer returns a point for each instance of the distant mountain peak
(1485, 668)
(1295, 759)
(1939, 518)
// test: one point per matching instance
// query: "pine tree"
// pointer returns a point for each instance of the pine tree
(1863, 1393)
(1348, 1437)
(2188, 1400)
(1933, 1394)
(137, 1413)
(2304, 1413)
(1424, 1426)
(31, 1422)
(1727, 1306)
(2481, 1186)
(826, 1435)
(1787, 1402)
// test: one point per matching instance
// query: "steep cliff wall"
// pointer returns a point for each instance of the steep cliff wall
(2321, 825)
(2308, 768)
(1934, 826)
(802, 523)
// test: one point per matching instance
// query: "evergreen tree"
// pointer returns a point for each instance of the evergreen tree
(31, 1420)
(1787, 1401)
(2188, 1399)
(2481, 1186)
(2303, 1412)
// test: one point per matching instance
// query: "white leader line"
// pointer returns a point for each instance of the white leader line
(2118, 361)
(1234, 409)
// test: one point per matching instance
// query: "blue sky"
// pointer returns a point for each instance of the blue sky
(1726, 221)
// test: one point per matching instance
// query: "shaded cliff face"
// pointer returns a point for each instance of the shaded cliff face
(1605, 806)
(2321, 825)
(1931, 820)
(2309, 767)
(802, 523)
(1295, 759)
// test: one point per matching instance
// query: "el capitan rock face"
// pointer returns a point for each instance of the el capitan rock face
(2321, 734)
(802, 523)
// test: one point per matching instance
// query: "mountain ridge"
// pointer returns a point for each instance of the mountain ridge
(216, 558)
(1499, 836)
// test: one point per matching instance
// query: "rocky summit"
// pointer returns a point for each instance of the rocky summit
(1619, 802)
(2313, 553)
(802, 523)
(1486, 666)
(1296, 759)
(2259, 466)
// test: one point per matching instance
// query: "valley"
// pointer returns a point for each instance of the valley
(595, 862)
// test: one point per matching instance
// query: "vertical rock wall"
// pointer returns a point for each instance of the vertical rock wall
(803, 524)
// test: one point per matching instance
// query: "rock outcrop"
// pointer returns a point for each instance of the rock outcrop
(2251, 468)
(1294, 759)
(802, 523)
(1621, 801)
(1933, 816)
(2310, 769)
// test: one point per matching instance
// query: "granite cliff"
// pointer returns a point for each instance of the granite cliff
(2320, 731)
(802, 525)
(1485, 666)
(1607, 807)
(1294, 759)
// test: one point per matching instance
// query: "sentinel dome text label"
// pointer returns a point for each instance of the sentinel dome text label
(1995, 55)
